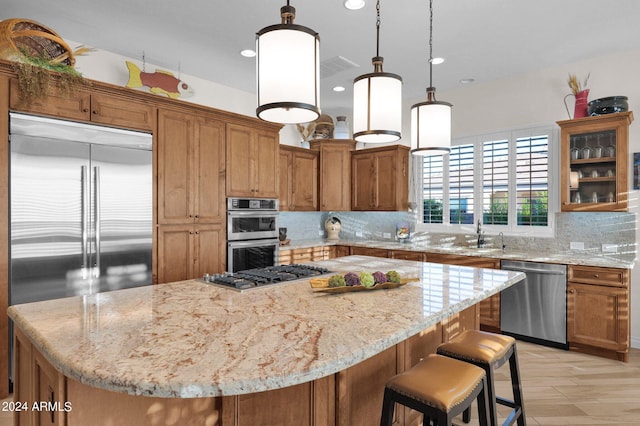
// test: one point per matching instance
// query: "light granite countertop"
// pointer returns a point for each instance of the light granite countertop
(191, 339)
(567, 258)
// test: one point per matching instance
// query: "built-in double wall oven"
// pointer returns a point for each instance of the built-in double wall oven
(252, 233)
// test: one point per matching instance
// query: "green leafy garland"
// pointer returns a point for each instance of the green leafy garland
(37, 73)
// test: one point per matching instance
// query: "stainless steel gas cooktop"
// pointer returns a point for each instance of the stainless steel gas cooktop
(263, 277)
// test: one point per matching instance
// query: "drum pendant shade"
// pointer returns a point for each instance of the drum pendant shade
(288, 70)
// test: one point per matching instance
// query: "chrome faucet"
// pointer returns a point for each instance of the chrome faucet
(480, 233)
(502, 238)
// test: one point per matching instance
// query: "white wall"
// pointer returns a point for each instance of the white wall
(528, 100)
(536, 98)
(111, 68)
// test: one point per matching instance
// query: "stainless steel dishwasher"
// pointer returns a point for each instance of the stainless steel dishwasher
(536, 309)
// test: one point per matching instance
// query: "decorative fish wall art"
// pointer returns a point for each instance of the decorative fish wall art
(159, 82)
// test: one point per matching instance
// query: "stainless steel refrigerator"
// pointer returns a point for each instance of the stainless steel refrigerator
(80, 208)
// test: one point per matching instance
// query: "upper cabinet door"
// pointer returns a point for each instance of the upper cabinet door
(240, 160)
(191, 168)
(121, 112)
(175, 174)
(209, 163)
(74, 106)
(252, 162)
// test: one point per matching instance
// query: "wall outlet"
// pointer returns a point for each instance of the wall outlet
(321, 233)
(387, 235)
(359, 234)
(573, 245)
(609, 248)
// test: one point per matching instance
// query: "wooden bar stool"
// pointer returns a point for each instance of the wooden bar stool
(440, 388)
(490, 351)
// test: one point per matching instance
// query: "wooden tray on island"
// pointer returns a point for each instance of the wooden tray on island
(321, 285)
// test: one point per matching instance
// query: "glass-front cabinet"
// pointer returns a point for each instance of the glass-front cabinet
(594, 162)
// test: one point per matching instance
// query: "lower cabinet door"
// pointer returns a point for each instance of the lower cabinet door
(189, 251)
(598, 316)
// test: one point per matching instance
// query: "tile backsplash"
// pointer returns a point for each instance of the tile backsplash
(591, 229)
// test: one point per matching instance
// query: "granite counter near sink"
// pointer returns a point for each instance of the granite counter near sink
(574, 257)
(193, 340)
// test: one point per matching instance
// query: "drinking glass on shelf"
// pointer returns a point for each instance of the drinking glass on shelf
(576, 198)
(586, 151)
(575, 152)
(598, 150)
(611, 148)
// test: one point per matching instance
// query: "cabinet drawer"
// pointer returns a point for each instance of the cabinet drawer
(600, 276)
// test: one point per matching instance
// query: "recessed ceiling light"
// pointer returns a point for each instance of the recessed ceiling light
(437, 61)
(467, 80)
(248, 53)
(339, 89)
(354, 4)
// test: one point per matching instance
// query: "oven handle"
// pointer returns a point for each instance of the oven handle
(254, 243)
(253, 213)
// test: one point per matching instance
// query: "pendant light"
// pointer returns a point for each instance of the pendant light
(431, 120)
(288, 69)
(377, 101)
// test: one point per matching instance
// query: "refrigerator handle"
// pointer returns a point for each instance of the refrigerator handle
(84, 187)
(96, 206)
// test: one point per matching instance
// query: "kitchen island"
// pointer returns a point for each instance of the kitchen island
(192, 353)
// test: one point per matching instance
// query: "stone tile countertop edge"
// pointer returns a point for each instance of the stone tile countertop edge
(190, 339)
(567, 258)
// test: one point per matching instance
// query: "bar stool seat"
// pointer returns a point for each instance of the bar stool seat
(490, 351)
(440, 388)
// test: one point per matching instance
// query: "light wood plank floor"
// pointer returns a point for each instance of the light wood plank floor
(562, 388)
(568, 388)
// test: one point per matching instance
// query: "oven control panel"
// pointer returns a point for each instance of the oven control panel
(252, 204)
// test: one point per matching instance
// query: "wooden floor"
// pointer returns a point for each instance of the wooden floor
(568, 388)
(562, 388)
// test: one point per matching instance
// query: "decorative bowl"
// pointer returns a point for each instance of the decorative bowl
(608, 105)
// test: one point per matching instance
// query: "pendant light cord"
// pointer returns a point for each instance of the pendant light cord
(430, 43)
(378, 28)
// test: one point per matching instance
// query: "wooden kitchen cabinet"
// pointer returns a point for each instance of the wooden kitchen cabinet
(46, 387)
(369, 251)
(338, 251)
(598, 311)
(596, 149)
(334, 173)
(298, 179)
(380, 178)
(82, 105)
(191, 168)
(252, 162)
(302, 255)
(190, 251)
(407, 255)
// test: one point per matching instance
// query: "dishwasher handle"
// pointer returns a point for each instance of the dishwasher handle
(535, 270)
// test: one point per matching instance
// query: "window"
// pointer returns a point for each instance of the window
(461, 184)
(501, 180)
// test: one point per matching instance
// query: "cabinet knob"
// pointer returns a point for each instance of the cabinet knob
(596, 275)
(94, 112)
(572, 291)
(85, 109)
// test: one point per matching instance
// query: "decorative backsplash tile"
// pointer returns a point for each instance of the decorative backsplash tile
(592, 229)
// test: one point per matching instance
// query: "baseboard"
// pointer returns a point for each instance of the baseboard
(635, 342)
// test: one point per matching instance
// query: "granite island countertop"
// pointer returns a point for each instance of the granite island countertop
(191, 339)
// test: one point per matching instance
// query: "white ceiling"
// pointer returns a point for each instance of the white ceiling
(481, 39)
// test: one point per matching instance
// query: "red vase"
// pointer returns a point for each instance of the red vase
(581, 108)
